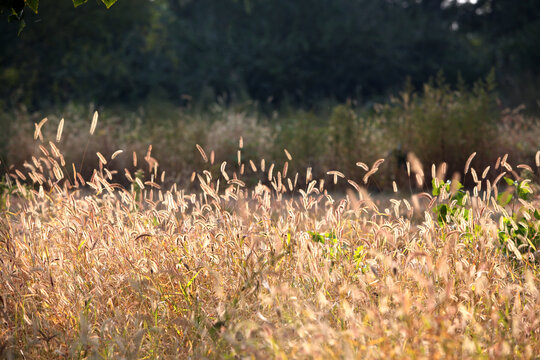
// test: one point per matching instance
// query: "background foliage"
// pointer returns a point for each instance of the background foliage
(299, 52)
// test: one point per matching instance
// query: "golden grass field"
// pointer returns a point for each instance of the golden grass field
(94, 270)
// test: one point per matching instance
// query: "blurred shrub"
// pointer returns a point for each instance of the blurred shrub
(438, 124)
(441, 124)
(518, 135)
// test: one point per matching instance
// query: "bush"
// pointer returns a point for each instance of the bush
(442, 124)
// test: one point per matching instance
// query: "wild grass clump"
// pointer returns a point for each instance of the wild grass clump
(283, 268)
(439, 123)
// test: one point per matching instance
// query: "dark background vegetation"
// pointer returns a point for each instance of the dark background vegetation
(296, 51)
(306, 75)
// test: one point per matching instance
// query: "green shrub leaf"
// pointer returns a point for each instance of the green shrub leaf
(509, 181)
(108, 3)
(32, 4)
(78, 2)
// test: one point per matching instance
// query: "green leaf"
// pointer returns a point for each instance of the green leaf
(537, 214)
(459, 197)
(108, 3)
(78, 2)
(192, 279)
(436, 191)
(81, 244)
(466, 213)
(316, 237)
(22, 25)
(13, 18)
(504, 198)
(32, 4)
(509, 181)
(524, 190)
(442, 212)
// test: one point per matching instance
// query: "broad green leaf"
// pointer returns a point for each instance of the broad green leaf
(32, 4)
(466, 213)
(504, 198)
(108, 3)
(509, 181)
(524, 190)
(78, 2)
(436, 191)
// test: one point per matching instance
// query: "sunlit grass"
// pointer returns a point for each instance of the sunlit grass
(92, 269)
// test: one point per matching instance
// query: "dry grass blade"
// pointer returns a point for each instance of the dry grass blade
(441, 171)
(37, 131)
(335, 173)
(499, 177)
(116, 153)
(355, 185)
(289, 157)
(94, 123)
(419, 180)
(270, 170)
(223, 172)
(468, 163)
(253, 167)
(377, 163)
(139, 183)
(201, 151)
(101, 158)
(414, 164)
(59, 130)
(368, 174)
(362, 165)
(474, 175)
(525, 167)
(20, 175)
(485, 172)
(237, 182)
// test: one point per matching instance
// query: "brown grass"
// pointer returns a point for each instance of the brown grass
(231, 271)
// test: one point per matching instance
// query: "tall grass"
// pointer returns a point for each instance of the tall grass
(278, 269)
(438, 124)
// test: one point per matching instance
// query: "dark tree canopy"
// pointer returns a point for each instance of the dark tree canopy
(300, 51)
(16, 9)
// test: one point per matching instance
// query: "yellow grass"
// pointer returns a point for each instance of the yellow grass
(261, 272)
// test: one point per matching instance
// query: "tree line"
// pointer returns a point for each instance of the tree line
(272, 51)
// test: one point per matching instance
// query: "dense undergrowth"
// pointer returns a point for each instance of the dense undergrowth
(438, 124)
(281, 269)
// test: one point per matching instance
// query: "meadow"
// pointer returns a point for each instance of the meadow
(242, 257)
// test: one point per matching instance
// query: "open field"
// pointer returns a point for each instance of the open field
(92, 269)
(310, 179)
